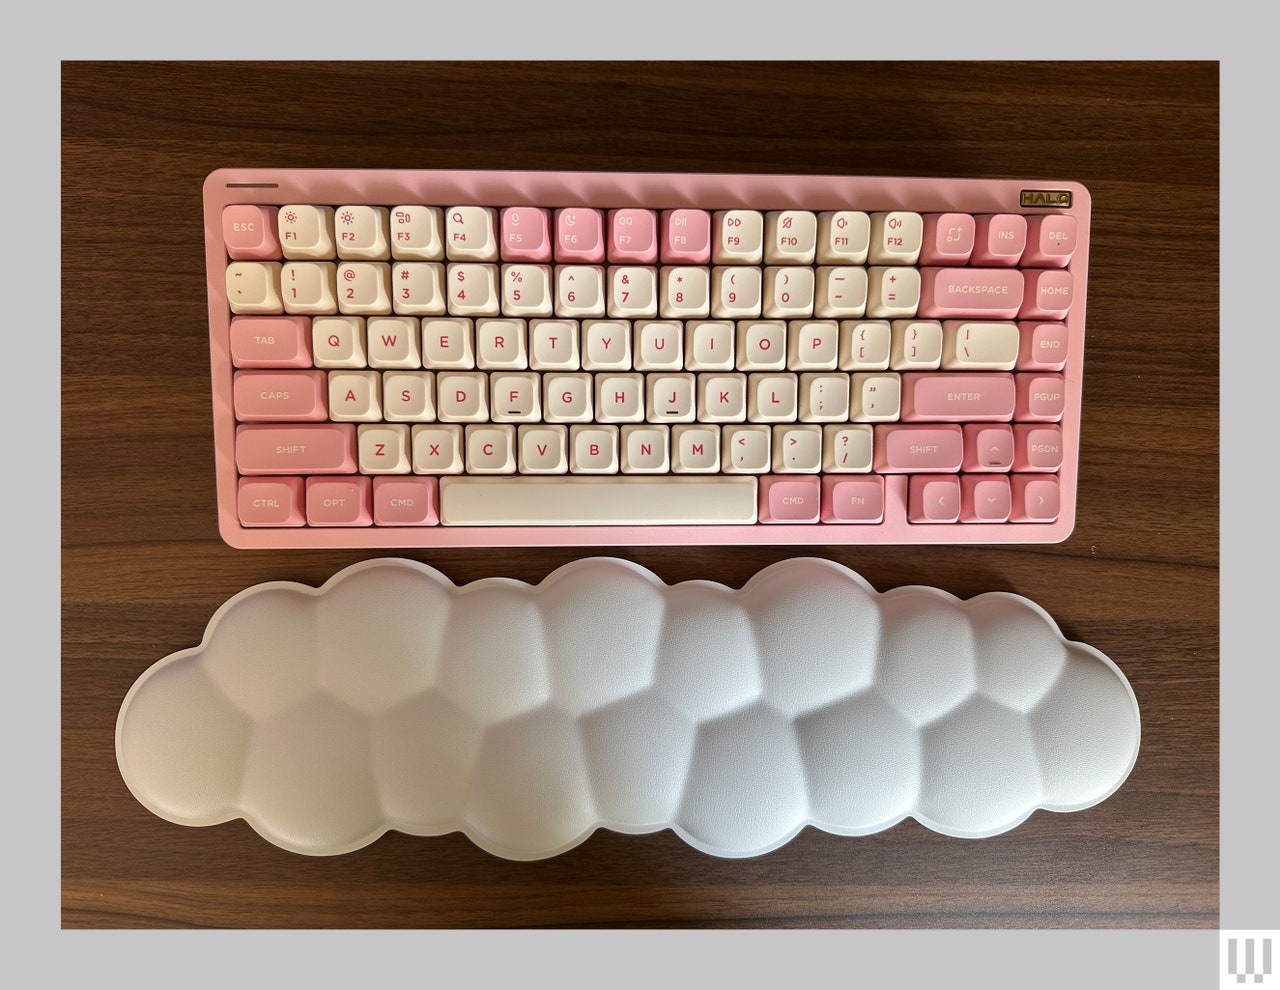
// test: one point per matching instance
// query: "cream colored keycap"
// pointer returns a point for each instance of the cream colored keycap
(473, 290)
(338, 342)
(599, 500)
(824, 398)
(416, 233)
(633, 292)
(355, 396)
(737, 237)
(788, 292)
(670, 398)
(383, 449)
(361, 233)
(501, 345)
(394, 342)
(437, 449)
(408, 396)
(797, 449)
(526, 290)
(708, 345)
(695, 449)
(542, 449)
(896, 237)
(917, 345)
(762, 345)
(593, 449)
(254, 287)
(645, 448)
(580, 291)
(306, 231)
(722, 398)
(684, 293)
(892, 292)
(772, 397)
(567, 397)
(876, 397)
(462, 397)
(844, 237)
(790, 237)
(840, 291)
(470, 233)
(606, 345)
(973, 346)
(846, 448)
(515, 397)
(309, 287)
(448, 343)
(553, 345)
(746, 449)
(364, 287)
(736, 292)
(659, 345)
(417, 289)
(490, 449)
(865, 345)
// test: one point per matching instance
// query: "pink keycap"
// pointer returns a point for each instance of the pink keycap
(999, 239)
(405, 501)
(995, 292)
(1047, 295)
(1042, 346)
(912, 449)
(271, 342)
(633, 237)
(579, 235)
(790, 499)
(1051, 241)
(686, 237)
(1035, 498)
(339, 501)
(525, 234)
(952, 397)
(249, 232)
(271, 502)
(988, 447)
(1041, 398)
(852, 499)
(1037, 448)
(984, 498)
(308, 448)
(280, 396)
(948, 239)
(933, 500)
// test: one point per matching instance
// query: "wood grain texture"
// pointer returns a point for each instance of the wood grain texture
(143, 567)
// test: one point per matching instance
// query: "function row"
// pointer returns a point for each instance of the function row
(583, 235)
(646, 345)
(416, 288)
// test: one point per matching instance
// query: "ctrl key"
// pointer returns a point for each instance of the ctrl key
(271, 502)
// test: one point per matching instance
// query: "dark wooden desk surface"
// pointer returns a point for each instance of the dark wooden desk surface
(143, 567)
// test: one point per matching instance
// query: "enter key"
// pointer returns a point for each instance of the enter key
(958, 398)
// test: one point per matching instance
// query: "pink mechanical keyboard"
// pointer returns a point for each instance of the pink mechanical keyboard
(430, 358)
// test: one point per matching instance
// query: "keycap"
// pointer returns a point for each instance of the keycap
(426, 358)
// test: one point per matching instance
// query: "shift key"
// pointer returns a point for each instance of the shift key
(308, 448)
(911, 449)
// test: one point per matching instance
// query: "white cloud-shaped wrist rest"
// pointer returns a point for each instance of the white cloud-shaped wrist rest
(529, 716)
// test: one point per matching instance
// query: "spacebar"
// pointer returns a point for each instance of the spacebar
(613, 500)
